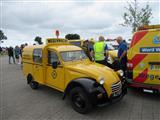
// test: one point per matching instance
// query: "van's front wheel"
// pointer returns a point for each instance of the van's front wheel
(79, 100)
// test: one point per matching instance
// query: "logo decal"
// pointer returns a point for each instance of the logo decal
(54, 74)
(156, 40)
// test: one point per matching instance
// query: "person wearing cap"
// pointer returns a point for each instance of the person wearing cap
(122, 53)
(100, 51)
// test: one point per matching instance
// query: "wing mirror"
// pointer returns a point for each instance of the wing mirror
(54, 65)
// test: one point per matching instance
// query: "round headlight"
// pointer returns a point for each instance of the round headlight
(101, 81)
(120, 73)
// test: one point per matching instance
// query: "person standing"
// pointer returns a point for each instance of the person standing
(11, 54)
(122, 53)
(100, 51)
(17, 54)
(1, 50)
(87, 49)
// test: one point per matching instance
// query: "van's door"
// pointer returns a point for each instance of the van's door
(146, 58)
(55, 77)
(37, 66)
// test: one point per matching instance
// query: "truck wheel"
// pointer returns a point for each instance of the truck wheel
(33, 84)
(79, 100)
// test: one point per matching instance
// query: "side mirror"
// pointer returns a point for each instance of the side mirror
(54, 65)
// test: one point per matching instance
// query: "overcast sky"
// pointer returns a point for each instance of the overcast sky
(22, 21)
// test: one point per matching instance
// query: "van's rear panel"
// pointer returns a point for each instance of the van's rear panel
(144, 58)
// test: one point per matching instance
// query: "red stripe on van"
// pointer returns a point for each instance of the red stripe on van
(142, 76)
(137, 37)
(137, 59)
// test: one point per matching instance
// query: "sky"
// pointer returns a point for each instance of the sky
(22, 21)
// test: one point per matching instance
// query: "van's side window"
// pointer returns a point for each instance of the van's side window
(37, 55)
(52, 57)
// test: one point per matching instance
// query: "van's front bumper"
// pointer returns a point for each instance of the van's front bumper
(100, 97)
(155, 87)
(113, 99)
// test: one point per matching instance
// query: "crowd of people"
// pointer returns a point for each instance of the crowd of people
(98, 52)
(15, 54)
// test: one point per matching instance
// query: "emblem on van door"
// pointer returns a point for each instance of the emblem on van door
(156, 40)
(54, 74)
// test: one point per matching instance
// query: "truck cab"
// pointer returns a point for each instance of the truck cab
(66, 68)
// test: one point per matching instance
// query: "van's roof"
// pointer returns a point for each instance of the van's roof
(147, 30)
(149, 27)
(57, 47)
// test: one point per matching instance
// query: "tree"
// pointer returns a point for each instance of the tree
(72, 36)
(135, 16)
(38, 40)
(2, 36)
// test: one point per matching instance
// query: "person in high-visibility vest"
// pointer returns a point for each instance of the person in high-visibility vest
(100, 51)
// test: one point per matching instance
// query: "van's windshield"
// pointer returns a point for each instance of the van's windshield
(73, 55)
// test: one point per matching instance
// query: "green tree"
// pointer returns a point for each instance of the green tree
(38, 40)
(136, 16)
(2, 36)
(72, 36)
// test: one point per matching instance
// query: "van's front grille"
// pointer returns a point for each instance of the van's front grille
(117, 87)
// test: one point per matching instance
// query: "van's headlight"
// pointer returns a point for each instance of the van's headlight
(101, 81)
(120, 73)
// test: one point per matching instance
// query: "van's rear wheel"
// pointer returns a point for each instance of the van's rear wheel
(34, 85)
(80, 101)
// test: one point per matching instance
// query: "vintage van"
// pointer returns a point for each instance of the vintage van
(66, 68)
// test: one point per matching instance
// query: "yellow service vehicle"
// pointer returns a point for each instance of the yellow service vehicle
(66, 68)
(144, 59)
(78, 42)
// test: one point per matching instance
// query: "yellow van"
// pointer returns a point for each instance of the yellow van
(66, 68)
(144, 59)
(77, 42)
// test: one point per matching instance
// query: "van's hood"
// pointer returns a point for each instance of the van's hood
(95, 71)
(113, 53)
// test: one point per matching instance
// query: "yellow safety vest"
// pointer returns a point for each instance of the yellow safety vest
(99, 51)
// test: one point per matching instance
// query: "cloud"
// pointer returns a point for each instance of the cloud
(22, 21)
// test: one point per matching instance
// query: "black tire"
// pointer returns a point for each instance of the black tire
(80, 101)
(34, 85)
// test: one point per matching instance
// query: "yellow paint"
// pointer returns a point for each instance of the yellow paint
(66, 71)
(147, 41)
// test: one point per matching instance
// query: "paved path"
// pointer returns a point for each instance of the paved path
(20, 102)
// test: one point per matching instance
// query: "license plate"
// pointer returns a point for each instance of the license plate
(148, 91)
(117, 93)
(155, 67)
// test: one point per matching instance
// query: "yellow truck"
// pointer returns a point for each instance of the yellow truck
(66, 68)
(144, 59)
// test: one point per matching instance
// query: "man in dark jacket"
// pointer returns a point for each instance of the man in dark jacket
(1, 50)
(122, 53)
(11, 55)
